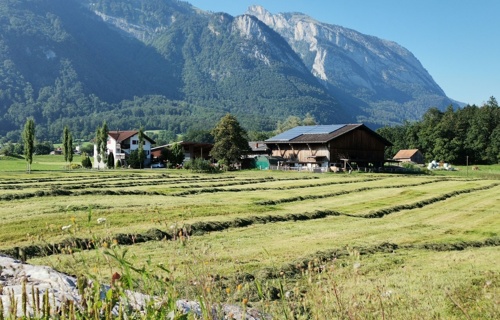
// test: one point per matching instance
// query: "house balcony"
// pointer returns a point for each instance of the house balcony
(125, 146)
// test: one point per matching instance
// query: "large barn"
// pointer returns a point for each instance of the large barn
(327, 146)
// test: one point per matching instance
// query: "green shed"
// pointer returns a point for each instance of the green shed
(264, 162)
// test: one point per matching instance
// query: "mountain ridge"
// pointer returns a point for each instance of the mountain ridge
(364, 67)
(168, 65)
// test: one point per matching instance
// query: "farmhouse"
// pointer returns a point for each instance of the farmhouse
(411, 155)
(121, 144)
(192, 150)
(325, 147)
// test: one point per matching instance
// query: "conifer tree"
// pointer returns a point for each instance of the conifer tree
(67, 145)
(29, 141)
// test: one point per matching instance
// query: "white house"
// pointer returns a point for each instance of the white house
(121, 144)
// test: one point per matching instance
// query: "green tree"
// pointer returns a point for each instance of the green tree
(309, 120)
(43, 147)
(133, 159)
(86, 162)
(19, 148)
(176, 154)
(111, 160)
(164, 137)
(101, 138)
(140, 150)
(29, 141)
(67, 145)
(289, 123)
(294, 121)
(7, 149)
(201, 136)
(231, 141)
(104, 139)
(259, 135)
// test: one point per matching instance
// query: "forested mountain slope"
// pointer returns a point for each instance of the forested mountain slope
(164, 64)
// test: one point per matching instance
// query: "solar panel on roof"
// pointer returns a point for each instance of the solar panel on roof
(300, 130)
(323, 129)
(289, 134)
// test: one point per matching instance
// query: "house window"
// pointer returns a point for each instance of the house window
(134, 141)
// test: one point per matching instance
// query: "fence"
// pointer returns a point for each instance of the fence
(299, 169)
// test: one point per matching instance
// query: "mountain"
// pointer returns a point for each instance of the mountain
(379, 76)
(164, 64)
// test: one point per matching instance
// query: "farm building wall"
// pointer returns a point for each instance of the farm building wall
(359, 146)
(303, 153)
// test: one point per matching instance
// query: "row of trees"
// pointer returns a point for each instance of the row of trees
(468, 134)
(29, 143)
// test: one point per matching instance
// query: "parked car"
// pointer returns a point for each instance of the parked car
(157, 165)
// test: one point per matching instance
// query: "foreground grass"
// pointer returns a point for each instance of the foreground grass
(343, 265)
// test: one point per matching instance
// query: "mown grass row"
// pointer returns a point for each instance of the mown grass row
(247, 181)
(106, 179)
(155, 182)
(340, 193)
(63, 192)
(203, 227)
(423, 203)
(151, 181)
(296, 268)
(319, 184)
(9, 181)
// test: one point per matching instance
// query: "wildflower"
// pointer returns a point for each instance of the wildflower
(239, 287)
(245, 301)
(228, 290)
(387, 294)
(101, 220)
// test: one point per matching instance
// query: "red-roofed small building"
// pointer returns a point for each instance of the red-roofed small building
(410, 155)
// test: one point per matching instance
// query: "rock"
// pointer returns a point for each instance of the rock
(37, 279)
(62, 288)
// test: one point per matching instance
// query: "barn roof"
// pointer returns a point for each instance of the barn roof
(320, 133)
(405, 154)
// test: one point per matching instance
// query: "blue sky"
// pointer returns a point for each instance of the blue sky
(457, 41)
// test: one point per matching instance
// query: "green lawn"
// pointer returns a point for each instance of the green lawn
(431, 254)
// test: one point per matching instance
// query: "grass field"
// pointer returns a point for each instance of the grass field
(295, 245)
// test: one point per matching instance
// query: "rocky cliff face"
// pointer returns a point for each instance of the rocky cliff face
(356, 67)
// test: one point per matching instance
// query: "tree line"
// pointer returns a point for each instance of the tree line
(470, 134)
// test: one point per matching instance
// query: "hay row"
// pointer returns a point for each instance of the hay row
(423, 203)
(61, 192)
(103, 181)
(339, 193)
(246, 181)
(296, 268)
(213, 190)
(200, 228)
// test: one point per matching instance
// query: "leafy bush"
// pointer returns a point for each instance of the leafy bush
(77, 166)
(200, 165)
(86, 163)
